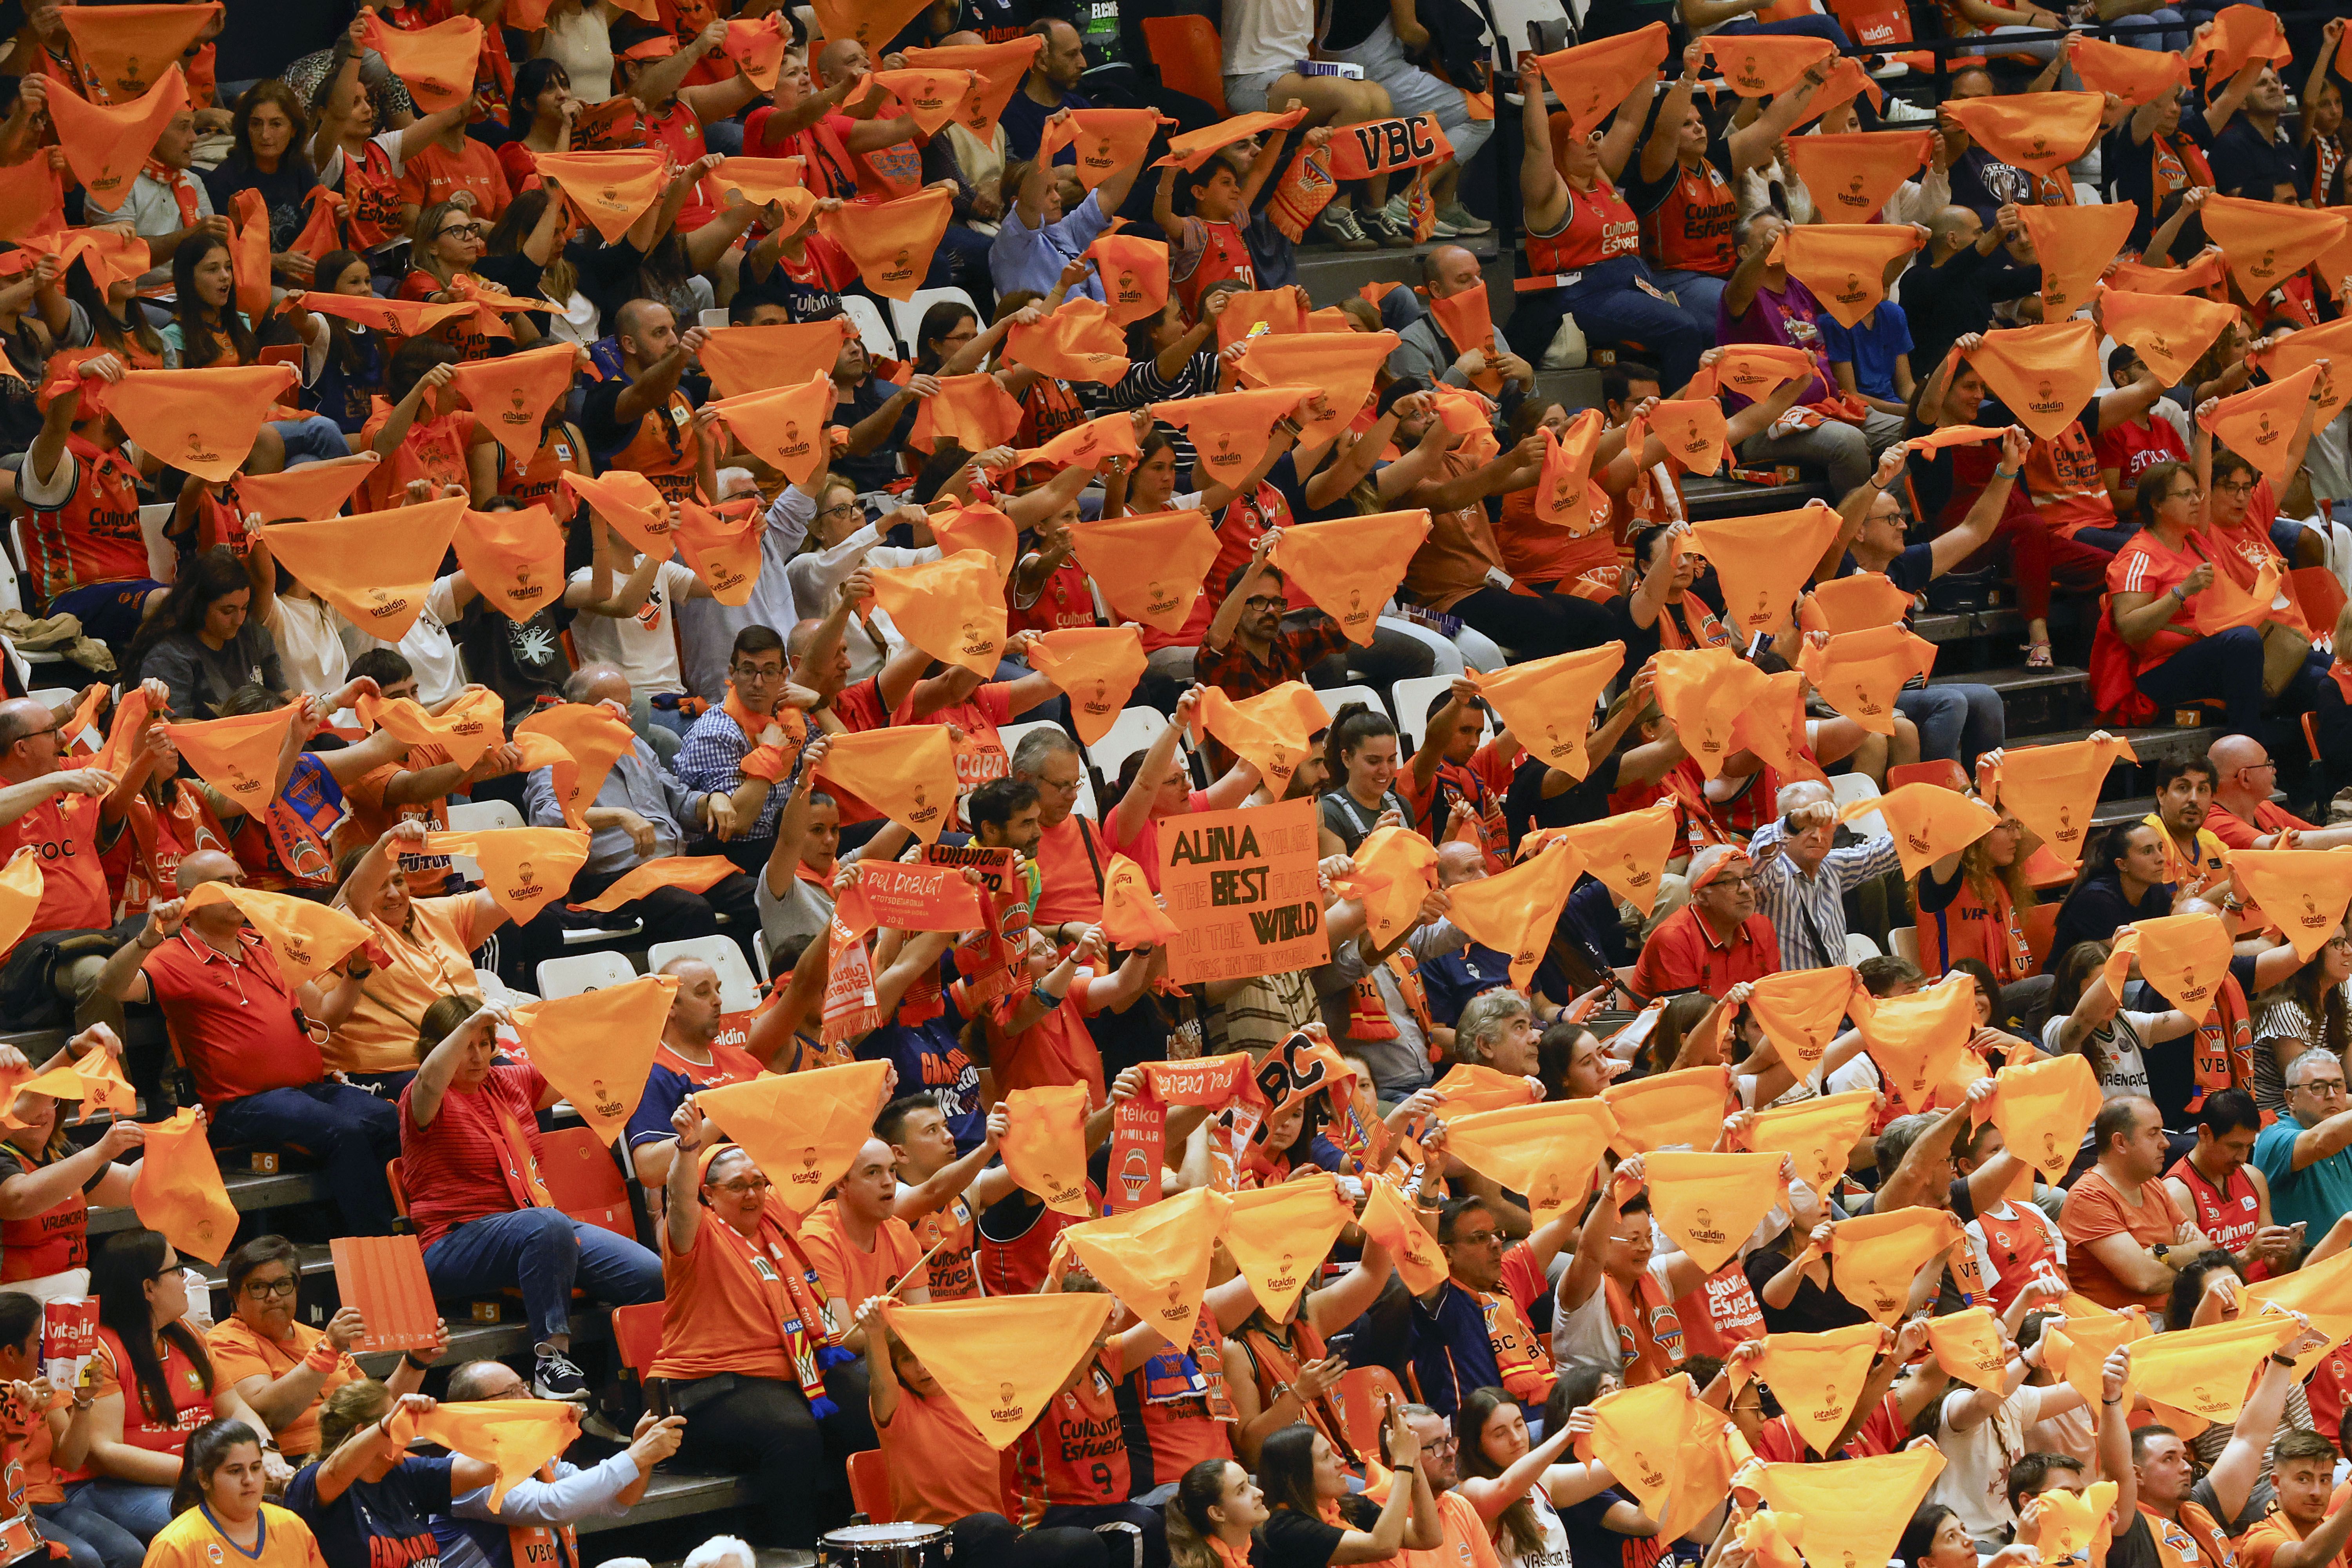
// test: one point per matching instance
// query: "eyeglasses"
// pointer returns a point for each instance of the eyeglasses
(1071, 787)
(2236, 487)
(759, 671)
(847, 506)
(1747, 882)
(1264, 602)
(2325, 1088)
(275, 1288)
(742, 1184)
(2192, 493)
(460, 231)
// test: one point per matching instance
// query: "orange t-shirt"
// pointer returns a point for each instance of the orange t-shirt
(2095, 1207)
(1070, 883)
(940, 1467)
(717, 1313)
(239, 1353)
(947, 1233)
(434, 175)
(63, 832)
(2272, 1531)
(850, 1274)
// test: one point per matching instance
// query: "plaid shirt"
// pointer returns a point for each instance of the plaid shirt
(1808, 913)
(1241, 675)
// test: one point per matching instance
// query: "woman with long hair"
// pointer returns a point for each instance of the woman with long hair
(2307, 1011)
(1938, 1537)
(268, 128)
(2087, 1017)
(204, 643)
(1519, 1488)
(2122, 880)
(524, 255)
(368, 1492)
(1212, 1520)
(217, 1507)
(1359, 753)
(445, 242)
(356, 154)
(206, 327)
(47, 1186)
(539, 119)
(117, 322)
(1972, 902)
(1313, 1520)
(346, 388)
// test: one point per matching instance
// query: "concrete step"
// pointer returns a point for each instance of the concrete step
(2016, 680)
(1330, 275)
(675, 1495)
(2150, 745)
(248, 1190)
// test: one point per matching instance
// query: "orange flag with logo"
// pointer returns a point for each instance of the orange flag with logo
(1593, 79)
(1077, 342)
(2074, 246)
(2204, 272)
(1764, 65)
(1045, 1145)
(1278, 1234)
(122, 45)
(1693, 432)
(908, 773)
(1195, 148)
(1347, 568)
(2304, 892)
(2241, 32)
(2042, 1109)
(1874, 1257)
(891, 242)
(1665, 1445)
(2185, 957)
(2258, 424)
(1230, 429)
(1467, 1087)
(178, 1190)
(2081, 1343)
(1270, 731)
(1134, 273)
(1764, 562)
(2038, 132)
(1859, 673)
(1704, 692)
(1752, 369)
(1342, 364)
(1851, 176)
(1681, 1110)
(803, 1129)
(1514, 912)
(596, 1048)
(1818, 1134)
(1467, 319)
(1395, 869)
(626, 499)
(1548, 703)
(695, 873)
(1148, 568)
(435, 64)
(2067, 1527)
(723, 549)
(376, 572)
(1156, 1259)
(202, 421)
(763, 182)
(308, 938)
(2317, 1289)
(399, 317)
(1773, 727)
(1107, 140)
(312, 491)
(524, 869)
(2293, 351)
(2205, 1374)
(786, 424)
(2136, 75)
(1799, 1010)
(611, 190)
(1857, 604)
(2266, 244)
(1549, 1151)
(105, 146)
(2046, 373)
(1000, 68)
(1001, 1359)
(1845, 264)
(1969, 1345)
(511, 394)
(1928, 822)
(2054, 790)
(1853, 1509)
(515, 559)
(952, 609)
(973, 411)
(1709, 1203)
(741, 360)
(1627, 851)
(1089, 444)
(1562, 496)
(1253, 314)
(238, 755)
(94, 1078)
(1097, 667)
(1389, 1220)
(20, 894)
(930, 97)
(1916, 1039)
(1131, 914)
(593, 735)
(1816, 1377)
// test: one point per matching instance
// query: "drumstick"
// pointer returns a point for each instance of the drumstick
(909, 1274)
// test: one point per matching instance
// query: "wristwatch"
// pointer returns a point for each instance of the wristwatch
(2162, 1251)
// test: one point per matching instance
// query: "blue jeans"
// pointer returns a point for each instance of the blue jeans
(547, 1251)
(1609, 308)
(2227, 667)
(312, 440)
(90, 1539)
(2107, 539)
(137, 1510)
(353, 1132)
(1958, 722)
(2042, 49)
(1701, 294)
(1806, 27)
(2164, 28)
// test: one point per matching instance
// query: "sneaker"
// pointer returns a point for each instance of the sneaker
(1455, 218)
(557, 1378)
(1387, 231)
(1902, 111)
(1338, 227)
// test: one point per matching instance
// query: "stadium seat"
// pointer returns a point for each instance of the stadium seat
(738, 989)
(872, 329)
(1334, 698)
(577, 973)
(637, 1335)
(483, 815)
(906, 315)
(1847, 788)
(584, 1180)
(1190, 57)
(1364, 1393)
(870, 1487)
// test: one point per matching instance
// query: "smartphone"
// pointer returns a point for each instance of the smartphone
(657, 1399)
(1338, 1345)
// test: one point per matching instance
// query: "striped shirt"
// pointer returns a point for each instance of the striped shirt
(1808, 912)
(1142, 383)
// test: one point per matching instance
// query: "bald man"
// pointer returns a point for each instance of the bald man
(1952, 284)
(2244, 815)
(1424, 350)
(642, 419)
(692, 1056)
(67, 817)
(860, 1248)
(884, 160)
(239, 1028)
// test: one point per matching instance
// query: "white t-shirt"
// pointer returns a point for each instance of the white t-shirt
(310, 635)
(427, 647)
(1263, 35)
(644, 646)
(1975, 1480)
(2118, 1043)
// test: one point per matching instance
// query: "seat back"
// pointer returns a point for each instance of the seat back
(483, 815)
(872, 329)
(1335, 698)
(1874, 24)
(585, 1182)
(582, 971)
(1012, 736)
(399, 1190)
(636, 1334)
(1363, 1395)
(906, 315)
(1847, 788)
(738, 991)
(870, 1487)
(163, 559)
(1133, 731)
(1190, 57)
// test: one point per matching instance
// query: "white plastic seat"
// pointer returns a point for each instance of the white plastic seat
(712, 320)
(1847, 788)
(1334, 698)
(1133, 731)
(1903, 942)
(1011, 734)
(577, 973)
(1859, 947)
(483, 815)
(738, 989)
(906, 315)
(872, 329)
(162, 559)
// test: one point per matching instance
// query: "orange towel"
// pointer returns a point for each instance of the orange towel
(1764, 562)
(1818, 1134)
(94, 1078)
(1853, 1509)
(1134, 274)
(1845, 264)
(238, 756)
(524, 869)
(1936, 440)
(2225, 605)
(1230, 429)
(122, 45)
(1817, 1377)
(517, 1436)
(2074, 246)
(1097, 667)
(1703, 690)
(1752, 369)
(1773, 727)
(436, 64)
(1278, 1234)
(2241, 32)
(1000, 68)
(2266, 243)
(511, 394)
(1252, 313)
(1764, 65)
(1390, 1220)
(1155, 1259)
(1548, 703)
(1774, 1539)
(2205, 1374)
(1916, 1039)
(2038, 131)
(1859, 673)
(608, 190)
(1269, 730)
(1665, 1446)
(2318, 1290)
(1563, 497)
(1851, 176)
(1089, 444)
(1342, 364)
(2067, 1527)
(933, 97)
(1928, 822)
(31, 197)
(20, 894)
(723, 549)
(1709, 1203)
(1858, 603)
(593, 735)
(1466, 1088)
(803, 1129)
(1195, 148)
(1683, 1110)
(1970, 1346)
(1467, 319)
(1593, 79)
(2258, 424)
(312, 491)
(1875, 1257)
(201, 421)
(1131, 914)
(908, 773)
(2332, 343)
(1148, 568)
(973, 411)
(2042, 1109)
(308, 938)
(1627, 851)
(1077, 343)
(1107, 140)
(1549, 1151)
(2184, 957)
(107, 146)
(2304, 892)
(178, 1190)
(626, 499)
(873, 23)
(110, 255)
(2046, 373)
(785, 425)
(1395, 869)
(248, 252)
(514, 559)
(398, 317)
(1692, 430)
(952, 609)
(1348, 567)
(2207, 272)
(2136, 75)
(1003, 1358)
(2054, 790)
(743, 359)
(1800, 1011)
(377, 573)
(695, 873)
(2081, 1343)
(1514, 912)
(596, 1048)
(762, 181)
(1045, 1145)
(891, 242)
(759, 47)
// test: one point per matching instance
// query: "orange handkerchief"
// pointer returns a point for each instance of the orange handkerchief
(596, 1048)
(1148, 568)
(1916, 1039)
(1077, 342)
(1692, 430)
(2185, 957)
(2038, 132)
(2207, 272)
(1704, 691)
(1944, 436)
(1928, 822)
(722, 549)
(1875, 1257)
(1278, 1234)
(2318, 1290)
(1818, 1134)
(1845, 264)
(1764, 65)
(1467, 319)
(1563, 498)
(524, 869)
(1626, 851)
(238, 755)
(1665, 1446)
(1710, 1204)
(201, 421)
(2054, 790)
(1969, 1345)
(2258, 424)
(31, 198)
(1131, 914)
(764, 182)
(1468, 1088)
(105, 146)
(2294, 350)
(2205, 1374)
(2136, 75)
(464, 730)
(891, 242)
(1799, 1010)
(2042, 1109)
(2079, 1347)
(952, 609)
(1773, 727)
(308, 938)
(591, 735)
(2067, 1528)
(517, 1436)
(1593, 79)
(872, 22)
(1342, 364)
(626, 499)
(1347, 568)
(803, 1129)
(248, 252)
(1683, 1110)
(122, 45)
(511, 394)
(1003, 1358)
(435, 64)
(178, 1190)
(1253, 314)
(784, 424)
(399, 317)
(2266, 244)
(2225, 605)
(932, 97)
(1754, 371)
(973, 411)
(743, 359)
(1044, 1146)
(94, 1078)
(1855, 1510)
(1818, 1378)
(2046, 373)
(1851, 176)
(1858, 603)
(1230, 429)
(1000, 68)
(1764, 562)
(376, 570)
(1774, 1539)
(1155, 1259)
(20, 893)
(514, 559)
(1549, 702)
(1395, 869)
(1195, 148)
(609, 190)
(1270, 731)
(1087, 445)
(759, 47)
(1107, 140)
(2304, 892)
(2074, 245)
(1134, 274)
(1550, 1151)
(695, 873)
(1514, 912)
(1389, 1220)
(2241, 32)
(312, 491)
(908, 773)
(1097, 667)
(1859, 673)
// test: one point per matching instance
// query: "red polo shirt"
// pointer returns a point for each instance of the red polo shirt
(1683, 952)
(232, 1016)
(2238, 834)
(454, 1169)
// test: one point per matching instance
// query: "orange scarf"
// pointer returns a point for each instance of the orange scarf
(2045, 374)
(1134, 274)
(2073, 246)
(2040, 133)
(107, 147)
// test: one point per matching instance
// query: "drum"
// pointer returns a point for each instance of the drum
(884, 1546)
